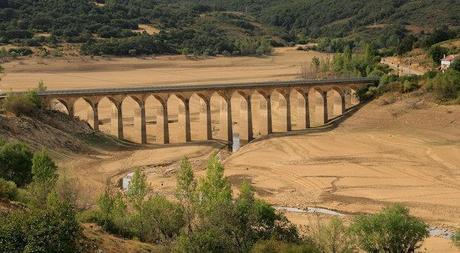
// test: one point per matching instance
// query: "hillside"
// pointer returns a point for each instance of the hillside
(210, 27)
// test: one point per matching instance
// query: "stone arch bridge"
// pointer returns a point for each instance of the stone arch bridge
(344, 90)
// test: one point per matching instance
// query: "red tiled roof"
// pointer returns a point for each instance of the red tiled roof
(449, 58)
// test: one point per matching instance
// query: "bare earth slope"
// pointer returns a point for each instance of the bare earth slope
(407, 152)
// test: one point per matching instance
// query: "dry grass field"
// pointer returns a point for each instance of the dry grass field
(102, 72)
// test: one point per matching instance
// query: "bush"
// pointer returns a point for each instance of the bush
(456, 239)
(436, 53)
(16, 163)
(391, 230)
(8, 189)
(446, 86)
(52, 229)
(44, 178)
(22, 51)
(273, 246)
(18, 104)
(455, 65)
(159, 221)
(333, 236)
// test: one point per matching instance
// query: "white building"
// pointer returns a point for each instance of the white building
(447, 61)
(127, 181)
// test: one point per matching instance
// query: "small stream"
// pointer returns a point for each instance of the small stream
(433, 230)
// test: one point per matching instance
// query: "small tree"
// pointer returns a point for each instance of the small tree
(333, 237)
(456, 65)
(456, 239)
(392, 230)
(138, 189)
(44, 170)
(160, 220)
(16, 163)
(185, 191)
(437, 53)
(44, 178)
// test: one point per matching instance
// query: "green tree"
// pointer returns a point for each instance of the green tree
(392, 230)
(52, 228)
(44, 170)
(214, 190)
(456, 239)
(456, 65)
(436, 53)
(185, 191)
(274, 246)
(112, 212)
(159, 220)
(44, 178)
(446, 86)
(16, 163)
(138, 189)
(333, 237)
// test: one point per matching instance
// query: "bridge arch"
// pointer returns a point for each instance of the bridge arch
(259, 114)
(336, 102)
(176, 118)
(279, 105)
(61, 105)
(318, 106)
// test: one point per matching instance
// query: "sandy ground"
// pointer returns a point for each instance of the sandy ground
(392, 150)
(406, 152)
(98, 72)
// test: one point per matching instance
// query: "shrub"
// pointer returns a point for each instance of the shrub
(52, 229)
(391, 230)
(21, 51)
(437, 53)
(456, 239)
(446, 86)
(8, 189)
(160, 220)
(273, 246)
(44, 178)
(456, 65)
(16, 163)
(18, 104)
(12, 236)
(408, 86)
(333, 236)
(24, 103)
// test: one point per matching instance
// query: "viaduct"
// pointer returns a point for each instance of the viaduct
(345, 88)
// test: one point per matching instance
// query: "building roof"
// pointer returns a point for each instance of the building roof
(449, 58)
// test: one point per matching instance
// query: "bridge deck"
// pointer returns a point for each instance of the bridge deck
(204, 87)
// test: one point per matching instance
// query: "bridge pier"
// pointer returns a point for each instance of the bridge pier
(325, 107)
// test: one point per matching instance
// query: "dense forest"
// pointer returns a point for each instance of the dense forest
(233, 27)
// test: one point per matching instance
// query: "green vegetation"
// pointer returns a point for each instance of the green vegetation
(209, 27)
(456, 239)
(446, 86)
(185, 27)
(23, 103)
(391, 230)
(206, 217)
(48, 223)
(16, 163)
